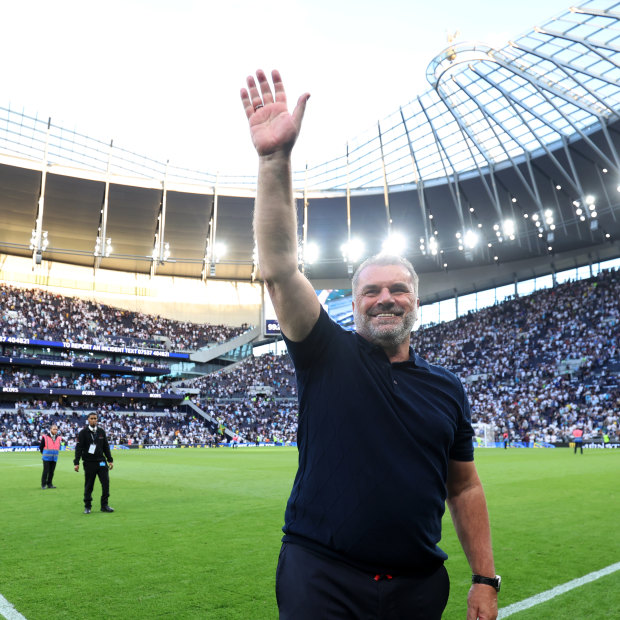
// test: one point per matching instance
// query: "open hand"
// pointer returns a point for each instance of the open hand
(272, 127)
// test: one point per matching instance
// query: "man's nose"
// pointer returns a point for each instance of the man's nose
(385, 297)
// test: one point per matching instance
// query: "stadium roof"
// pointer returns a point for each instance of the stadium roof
(507, 167)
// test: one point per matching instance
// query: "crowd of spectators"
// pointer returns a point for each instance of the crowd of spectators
(36, 313)
(276, 373)
(535, 367)
(23, 427)
(21, 378)
(258, 419)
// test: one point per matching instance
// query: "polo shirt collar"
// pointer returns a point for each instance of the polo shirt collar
(414, 358)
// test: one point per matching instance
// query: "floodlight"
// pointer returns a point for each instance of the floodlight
(509, 228)
(394, 244)
(219, 251)
(352, 250)
(590, 200)
(311, 253)
(471, 239)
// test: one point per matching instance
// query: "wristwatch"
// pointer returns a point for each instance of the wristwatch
(494, 582)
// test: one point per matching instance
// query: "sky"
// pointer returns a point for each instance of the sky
(162, 77)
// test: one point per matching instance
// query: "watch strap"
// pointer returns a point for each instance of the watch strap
(494, 582)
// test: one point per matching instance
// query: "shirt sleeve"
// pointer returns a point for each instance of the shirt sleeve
(463, 447)
(78, 449)
(305, 353)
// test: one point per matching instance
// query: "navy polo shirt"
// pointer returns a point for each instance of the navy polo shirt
(374, 443)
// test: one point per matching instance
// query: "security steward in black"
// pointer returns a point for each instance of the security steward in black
(93, 448)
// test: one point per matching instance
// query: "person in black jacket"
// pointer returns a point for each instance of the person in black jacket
(93, 448)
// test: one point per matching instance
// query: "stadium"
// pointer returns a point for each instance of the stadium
(130, 287)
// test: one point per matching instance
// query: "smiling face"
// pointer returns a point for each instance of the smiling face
(385, 305)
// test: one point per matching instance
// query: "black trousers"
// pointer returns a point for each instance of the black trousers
(310, 586)
(48, 473)
(91, 471)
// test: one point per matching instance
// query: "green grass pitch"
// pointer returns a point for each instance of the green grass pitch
(196, 534)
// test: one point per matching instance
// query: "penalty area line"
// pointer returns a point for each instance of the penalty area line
(557, 591)
(8, 611)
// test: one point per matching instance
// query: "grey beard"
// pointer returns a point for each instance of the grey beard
(385, 338)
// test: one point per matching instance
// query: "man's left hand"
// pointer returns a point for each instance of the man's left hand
(481, 602)
(110, 465)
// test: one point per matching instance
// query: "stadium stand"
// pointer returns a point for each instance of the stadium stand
(29, 313)
(507, 169)
(536, 366)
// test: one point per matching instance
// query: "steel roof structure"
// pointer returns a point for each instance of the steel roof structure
(507, 167)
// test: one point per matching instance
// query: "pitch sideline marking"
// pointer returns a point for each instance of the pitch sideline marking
(8, 611)
(561, 589)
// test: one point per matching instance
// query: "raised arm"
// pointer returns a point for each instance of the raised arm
(274, 131)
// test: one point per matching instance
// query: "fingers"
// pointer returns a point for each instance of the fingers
(258, 95)
(265, 89)
(278, 86)
(300, 108)
(247, 104)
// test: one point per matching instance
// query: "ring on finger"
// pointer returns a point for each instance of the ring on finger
(257, 107)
